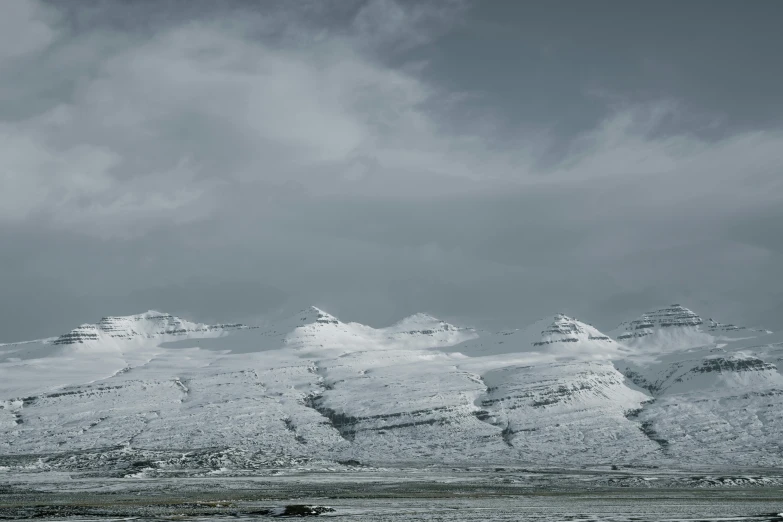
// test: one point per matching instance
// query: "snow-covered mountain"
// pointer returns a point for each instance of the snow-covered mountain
(675, 328)
(149, 325)
(668, 387)
(717, 389)
(552, 337)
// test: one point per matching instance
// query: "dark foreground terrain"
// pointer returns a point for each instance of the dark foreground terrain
(396, 495)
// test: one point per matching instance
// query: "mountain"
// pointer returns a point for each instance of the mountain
(149, 325)
(94, 351)
(675, 328)
(319, 332)
(556, 337)
(666, 388)
(717, 389)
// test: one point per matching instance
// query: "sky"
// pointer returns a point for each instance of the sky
(486, 162)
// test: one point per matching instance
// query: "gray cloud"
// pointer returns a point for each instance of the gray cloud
(25, 29)
(184, 156)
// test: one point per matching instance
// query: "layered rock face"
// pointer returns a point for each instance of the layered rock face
(674, 316)
(560, 411)
(714, 404)
(79, 335)
(671, 328)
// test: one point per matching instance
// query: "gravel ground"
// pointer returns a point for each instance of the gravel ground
(388, 495)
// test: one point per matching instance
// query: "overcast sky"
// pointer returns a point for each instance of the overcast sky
(488, 162)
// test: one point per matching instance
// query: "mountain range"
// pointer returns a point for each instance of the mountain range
(668, 388)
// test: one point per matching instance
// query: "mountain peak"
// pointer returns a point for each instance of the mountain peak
(313, 314)
(145, 325)
(673, 327)
(564, 329)
(421, 322)
(672, 316)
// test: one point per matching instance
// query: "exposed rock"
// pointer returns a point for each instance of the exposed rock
(79, 335)
(672, 316)
(733, 364)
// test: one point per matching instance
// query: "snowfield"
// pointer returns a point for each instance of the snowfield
(666, 389)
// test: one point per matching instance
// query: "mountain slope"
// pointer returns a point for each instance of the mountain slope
(683, 390)
(717, 389)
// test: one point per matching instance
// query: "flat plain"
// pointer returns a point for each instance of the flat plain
(400, 494)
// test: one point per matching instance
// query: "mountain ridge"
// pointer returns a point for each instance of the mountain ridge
(312, 386)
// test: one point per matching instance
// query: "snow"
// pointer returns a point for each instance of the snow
(675, 389)
(718, 391)
(557, 337)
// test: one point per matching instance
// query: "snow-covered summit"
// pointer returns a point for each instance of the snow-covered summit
(420, 322)
(313, 314)
(673, 316)
(558, 336)
(568, 337)
(423, 330)
(672, 327)
(148, 325)
(319, 330)
(676, 327)
(564, 329)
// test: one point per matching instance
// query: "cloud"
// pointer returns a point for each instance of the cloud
(389, 24)
(154, 130)
(146, 129)
(310, 147)
(652, 142)
(24, 29)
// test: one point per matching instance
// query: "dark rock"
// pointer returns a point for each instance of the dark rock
(350, 462)
(298, 510)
